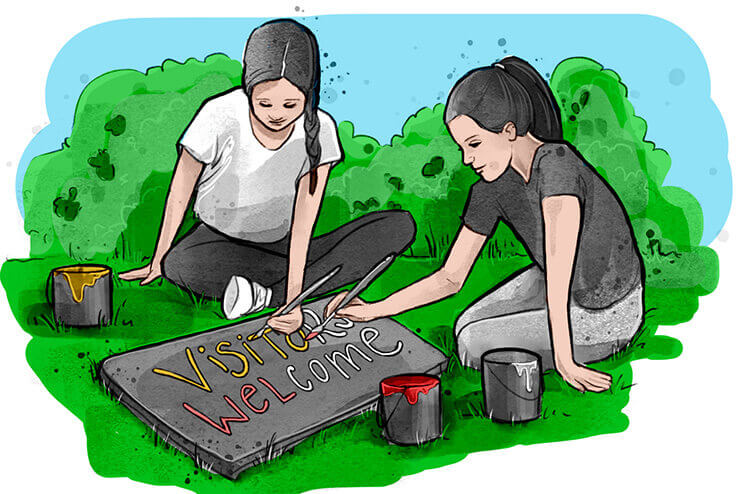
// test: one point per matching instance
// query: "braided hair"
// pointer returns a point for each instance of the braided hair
(285, 48)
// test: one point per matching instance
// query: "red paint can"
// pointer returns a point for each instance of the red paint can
(411, 409)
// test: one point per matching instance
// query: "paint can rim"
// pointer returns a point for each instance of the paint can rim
(489, 357)
(82, 269)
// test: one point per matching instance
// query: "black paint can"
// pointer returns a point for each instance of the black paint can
(512, 384)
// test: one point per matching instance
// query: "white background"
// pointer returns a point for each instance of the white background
(683, 433)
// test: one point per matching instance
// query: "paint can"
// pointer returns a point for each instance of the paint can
(81, 295)
(512, 384)
(411, 409)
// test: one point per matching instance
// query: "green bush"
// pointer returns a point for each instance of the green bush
(398, 176)
(103, 193)
(118, 159)
(600, 122)
(419, 171)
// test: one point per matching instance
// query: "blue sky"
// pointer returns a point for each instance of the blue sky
(379, 69)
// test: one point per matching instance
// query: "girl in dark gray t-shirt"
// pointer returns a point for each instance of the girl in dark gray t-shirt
(582, 298)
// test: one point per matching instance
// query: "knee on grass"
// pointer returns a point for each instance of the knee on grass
(175, 269)
(478, 337)
(400, 227)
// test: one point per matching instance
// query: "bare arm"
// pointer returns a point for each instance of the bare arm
(186, 175)
(562, 220)
(562, 217)
(305, 212)
(444, 282)
(184, 178)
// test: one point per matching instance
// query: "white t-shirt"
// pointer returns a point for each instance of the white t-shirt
(246, 190)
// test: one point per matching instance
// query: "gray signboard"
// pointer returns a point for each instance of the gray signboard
(231, 403)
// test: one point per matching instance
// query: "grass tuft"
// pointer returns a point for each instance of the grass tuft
(161, 311)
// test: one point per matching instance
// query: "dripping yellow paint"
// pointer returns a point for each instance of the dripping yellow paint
(78, 277)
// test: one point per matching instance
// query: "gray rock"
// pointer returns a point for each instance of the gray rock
(231, 406)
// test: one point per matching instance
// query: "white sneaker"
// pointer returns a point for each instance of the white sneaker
(243, 297)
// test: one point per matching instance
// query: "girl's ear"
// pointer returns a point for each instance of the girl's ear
(509, 131)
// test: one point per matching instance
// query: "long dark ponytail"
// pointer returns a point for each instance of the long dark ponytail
(508, 91)
(285, 48)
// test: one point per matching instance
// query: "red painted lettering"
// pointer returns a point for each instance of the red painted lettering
(224, 426)
(247, 391)
(284, 399)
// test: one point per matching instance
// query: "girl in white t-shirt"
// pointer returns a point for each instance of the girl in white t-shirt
(258, 158)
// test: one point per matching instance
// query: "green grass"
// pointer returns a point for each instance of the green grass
(119, 445)
(112, 224)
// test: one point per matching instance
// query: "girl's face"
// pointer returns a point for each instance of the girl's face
(487, 153)
(277, 104)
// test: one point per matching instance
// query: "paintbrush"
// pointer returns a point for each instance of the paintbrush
(364, 282)
(296, 301)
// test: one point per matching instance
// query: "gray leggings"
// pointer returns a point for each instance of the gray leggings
(514, 315)
(204, 260)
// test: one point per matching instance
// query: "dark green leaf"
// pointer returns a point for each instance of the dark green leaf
(116, 125)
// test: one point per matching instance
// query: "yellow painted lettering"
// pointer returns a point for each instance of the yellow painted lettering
(295, 347)
(218, 363)
(254, 354)
(273, 345)
(241, 357)
(202, 383)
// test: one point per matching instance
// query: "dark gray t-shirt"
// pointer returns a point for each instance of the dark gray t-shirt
(607, 264)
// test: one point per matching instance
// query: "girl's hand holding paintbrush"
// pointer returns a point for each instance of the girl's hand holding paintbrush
(288, 322)
(356, 310)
